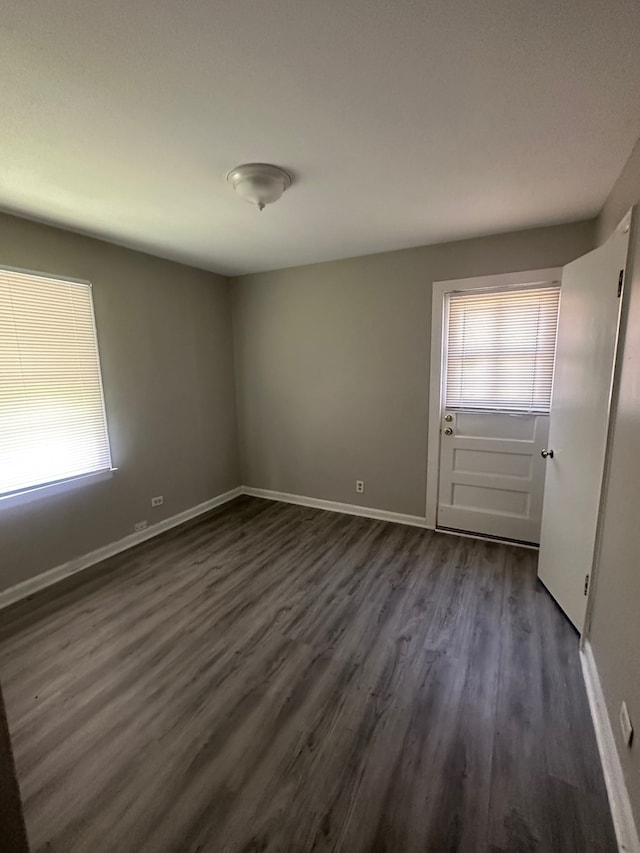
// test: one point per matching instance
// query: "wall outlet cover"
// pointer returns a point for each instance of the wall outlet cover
(140, 525)
(157, 501)
(359, 487)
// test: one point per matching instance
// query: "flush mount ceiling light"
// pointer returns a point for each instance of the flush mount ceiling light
(259, 183)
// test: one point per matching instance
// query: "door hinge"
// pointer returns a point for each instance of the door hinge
(586, 584)
(620, 280)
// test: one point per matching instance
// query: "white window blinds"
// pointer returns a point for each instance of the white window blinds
(501, 349)
(52, 418)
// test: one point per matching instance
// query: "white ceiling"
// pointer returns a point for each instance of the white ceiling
(404, 122)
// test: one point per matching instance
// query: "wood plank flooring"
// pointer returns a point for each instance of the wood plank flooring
(282, 679)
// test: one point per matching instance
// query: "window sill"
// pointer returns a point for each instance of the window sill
(51, 489)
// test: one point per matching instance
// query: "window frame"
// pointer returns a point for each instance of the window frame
(64, 484)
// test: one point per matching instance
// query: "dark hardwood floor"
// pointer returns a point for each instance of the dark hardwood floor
(275, 678)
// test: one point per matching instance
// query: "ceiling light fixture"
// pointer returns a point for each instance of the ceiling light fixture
(259, 183)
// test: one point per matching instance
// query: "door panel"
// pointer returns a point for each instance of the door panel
(585, 355)
(492, 462)
(491, 473)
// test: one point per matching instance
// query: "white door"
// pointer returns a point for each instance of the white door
(492, 474)
(586, 347)
(498, 353)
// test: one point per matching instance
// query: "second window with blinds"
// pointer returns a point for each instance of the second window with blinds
(53, 427)
(497, 374)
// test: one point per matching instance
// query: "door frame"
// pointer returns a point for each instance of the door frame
(502, 281)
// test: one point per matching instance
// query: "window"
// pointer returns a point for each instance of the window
(52, 418)
(501, 349)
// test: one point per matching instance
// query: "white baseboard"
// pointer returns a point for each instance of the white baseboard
(621, 812)
(78, 564)
(334, 506)
(41, 581)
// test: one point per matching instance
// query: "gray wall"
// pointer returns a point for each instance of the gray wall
(165, 337)
(624, 194)
(615, 623)
(14, 831)
(332, 364)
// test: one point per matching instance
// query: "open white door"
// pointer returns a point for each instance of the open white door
(585, 356)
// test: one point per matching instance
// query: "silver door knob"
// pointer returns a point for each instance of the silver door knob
(546, 454)
(448, 431)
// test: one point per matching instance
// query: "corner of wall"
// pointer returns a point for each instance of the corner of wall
(624, 194)
(232, 285)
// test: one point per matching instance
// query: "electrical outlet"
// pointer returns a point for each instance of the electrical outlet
(157, 501)
(360, 487)
(625, 724)
(141, 525)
